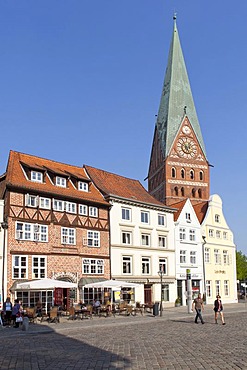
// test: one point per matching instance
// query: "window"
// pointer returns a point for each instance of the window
(193, 193)
(126, 237)
(207, 255)
(58, 205)
(176, 190)
(182, 234)
(218, 234)
(187, 217)
(192, 235)
(225, 236)
(209, 288)
(39, 267)
(173, 172)
(144, 217)
(182, 192)
(217, 258)
(70, 207)
(182, 173)
(161, 220)
(83, 186)
(126, 214)
(165, 292)
(19, 264)
(226, 259)
(31, 200)
(217, 287)
(92, 266)
(145, 239)
(182, 256)
(127, 265)
(146, 265)
(162, 241)
(201, 175)
(67, 236)
(191, 174)
(226, 287)
(93, 211)
(217, 218)
(211, 233)
(192, 257)
(93, 239)
(199, 193)
(36, 176)
(34, 232)
(163, 265)
(61, 181)
(44, 203)
(82, 210)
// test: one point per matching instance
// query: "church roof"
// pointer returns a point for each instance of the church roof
(176, 99)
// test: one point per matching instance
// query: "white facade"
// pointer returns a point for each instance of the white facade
(1, 255)
(142, 242)
(188, 242)
(220, 254)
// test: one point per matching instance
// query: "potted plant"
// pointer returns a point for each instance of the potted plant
(178, 302)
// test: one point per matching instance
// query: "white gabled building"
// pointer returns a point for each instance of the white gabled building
(219, 253)
(3, 274)
(188, 244)
(141, 237)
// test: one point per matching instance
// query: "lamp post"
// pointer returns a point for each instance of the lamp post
(4, 226)
(203, 266)
(161, 274)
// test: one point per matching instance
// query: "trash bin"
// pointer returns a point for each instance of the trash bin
(156, 309)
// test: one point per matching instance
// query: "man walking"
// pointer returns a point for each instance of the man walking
(199, 307)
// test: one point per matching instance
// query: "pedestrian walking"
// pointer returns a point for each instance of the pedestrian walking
(199, 307)
(7, 309)
(218, 309)
(16, 313)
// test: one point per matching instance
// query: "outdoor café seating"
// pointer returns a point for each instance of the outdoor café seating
(31, 314)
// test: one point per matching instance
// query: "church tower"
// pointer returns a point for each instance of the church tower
(178, 166)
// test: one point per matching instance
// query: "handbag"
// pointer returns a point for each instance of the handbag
(19, 319)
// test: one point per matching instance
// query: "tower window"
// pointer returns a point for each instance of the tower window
(193, 193)
(182, 192)
(176, 190)
(191, 174)
(182, 173)
(199, 193)
(201, 175)
(173, 172)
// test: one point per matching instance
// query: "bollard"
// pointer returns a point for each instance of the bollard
(25, 324)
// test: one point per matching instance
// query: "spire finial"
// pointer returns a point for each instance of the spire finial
(174, 16)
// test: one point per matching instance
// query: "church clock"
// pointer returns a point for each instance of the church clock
(186, 147)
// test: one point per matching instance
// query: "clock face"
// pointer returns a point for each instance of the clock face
(186, 130)
(186, 148)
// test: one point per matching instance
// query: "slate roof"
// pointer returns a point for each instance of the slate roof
(111, 184)
(176, 95)
(17, 178)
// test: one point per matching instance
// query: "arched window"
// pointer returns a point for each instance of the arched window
(173, 172)
(176, 190)
(182, 173)
(199, 193)
(191, 174)
(193, 193)
(182, 192)
(201, 175)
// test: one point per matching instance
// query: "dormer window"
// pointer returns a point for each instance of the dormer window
(187, 216)
(61, 181)
(83, 186)
(36, 176)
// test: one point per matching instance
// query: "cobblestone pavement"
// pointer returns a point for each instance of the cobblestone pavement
(172, 341)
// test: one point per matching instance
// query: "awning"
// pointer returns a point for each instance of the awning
(84, 281)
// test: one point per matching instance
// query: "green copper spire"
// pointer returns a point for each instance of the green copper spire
(176, 100)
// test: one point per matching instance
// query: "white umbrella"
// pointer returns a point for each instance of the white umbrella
(112, 284)
(45, 284)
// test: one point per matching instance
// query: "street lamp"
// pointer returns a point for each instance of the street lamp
(161, 274)
(203, 266)
(4, 226)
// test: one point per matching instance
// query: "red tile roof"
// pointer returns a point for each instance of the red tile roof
(17, 178)
(179, 206)
(119, 186)
(201, 210)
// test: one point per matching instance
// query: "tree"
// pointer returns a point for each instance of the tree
(241, 262)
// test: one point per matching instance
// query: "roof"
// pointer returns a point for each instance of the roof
(179, 206)
(201, 210)
(111, 184)
(176, 100)
(17, 178)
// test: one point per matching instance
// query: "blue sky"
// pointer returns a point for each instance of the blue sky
(81, 82)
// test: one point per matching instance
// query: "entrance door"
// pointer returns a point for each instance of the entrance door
(147, 293)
